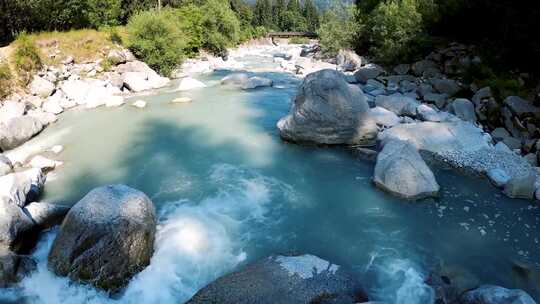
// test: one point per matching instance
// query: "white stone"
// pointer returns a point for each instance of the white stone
(182, 100)
(43, 163)
(114, 101)
(188, 83)
(139, 104)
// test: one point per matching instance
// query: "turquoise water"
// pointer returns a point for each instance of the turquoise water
(229, 191)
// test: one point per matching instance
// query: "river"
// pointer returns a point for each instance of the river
(229, 191)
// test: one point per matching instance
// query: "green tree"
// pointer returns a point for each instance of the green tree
(263, 14)
(312, 15)
(279, 10)
(338, 29)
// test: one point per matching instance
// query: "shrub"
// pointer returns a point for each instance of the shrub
(26, 57)
(299, 40)
(220, 25)
(156, 38)
(338, 29)
(5, 80)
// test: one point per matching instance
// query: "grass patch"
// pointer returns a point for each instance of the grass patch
(26, 57)
(299, 40)
(84, 45)
(5, 80)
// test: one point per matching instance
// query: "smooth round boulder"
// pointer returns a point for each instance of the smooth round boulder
(106, 238)
(284, 279)
(328, 110)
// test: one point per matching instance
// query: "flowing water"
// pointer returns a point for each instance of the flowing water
(228, 191)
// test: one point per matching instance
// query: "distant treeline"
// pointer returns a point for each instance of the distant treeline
(46, 15)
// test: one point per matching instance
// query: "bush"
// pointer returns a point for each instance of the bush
(26, 57)
(338, 29)
(220, 25)
(157, 39)
(5, 80)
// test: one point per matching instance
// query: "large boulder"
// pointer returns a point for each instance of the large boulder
(348, 60)
(490, 294)
(41, 87)
(284, 279)
(106, 238)
(384, 118)
(398, 103)
(446, 86)
(401, 171)
(20, 188)
(19, 130)
(327, 110)
(45, 215)
(138, 76)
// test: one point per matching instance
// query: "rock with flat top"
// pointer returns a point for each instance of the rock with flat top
(285, 279)
(401, 171)
(328, 110)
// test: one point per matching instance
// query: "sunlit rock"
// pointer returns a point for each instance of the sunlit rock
(17, 131)
(106, 238)
(284, 279)
(327, 110)
(401, 171)
(188, 83)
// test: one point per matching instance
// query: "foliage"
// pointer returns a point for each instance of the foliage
(156, 38)
(299, 40)
(26, 58)
(282, 15)
(390, 30)
(221, 28)
(338, 29)
(104, 12)
(5, 79)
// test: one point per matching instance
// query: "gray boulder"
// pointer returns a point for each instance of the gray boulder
(21, 188)
(284, 279)
(257, 82)
(402, 69)
(521, 187)
(383, 117)
(499, 134)
(18, 130)
(367, 72)
(45, 215)
(398, 103)
(521, 107)
(401, 171)
(14, 226)
(327, 110)
(5, 165)
(437, 99)
(427, 113)
(41, 87)
(235, 79)
(243, 81)
(490, 294)
(348, 60)
(463, 109)
(446, 86)
(425, 66)
(14, 267)
(106, 238)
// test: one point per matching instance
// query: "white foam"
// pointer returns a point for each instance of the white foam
(196, 242)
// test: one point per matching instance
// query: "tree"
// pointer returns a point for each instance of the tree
(279, 10)
(312, 15)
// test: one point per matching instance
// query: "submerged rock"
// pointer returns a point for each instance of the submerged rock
(188, 83)
(401, 171)
(490, 294)
(106, 238)
(257, 82)
(327, 110)
(284, 279)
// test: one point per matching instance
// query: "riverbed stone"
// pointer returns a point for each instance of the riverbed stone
(327, 110)
(106, 238)
(499, 134)
(367, 72)
(15, 225)
(17, 131)
(348, 60)
(6, 166)
(257, 82)
(141, 104)
(285, 279)
(43, 163)
(41, 87)
(427, 113)
(383, 117)
(464, 109)
(189, 83)
(11, 109)
(401, 171)
(45, 215)
(445, 86)
(521, 187)
(521, 107)
(398, 103)
(20, 188)
(490, 294)
(235, 79)
(498, 177)
(14, 267)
